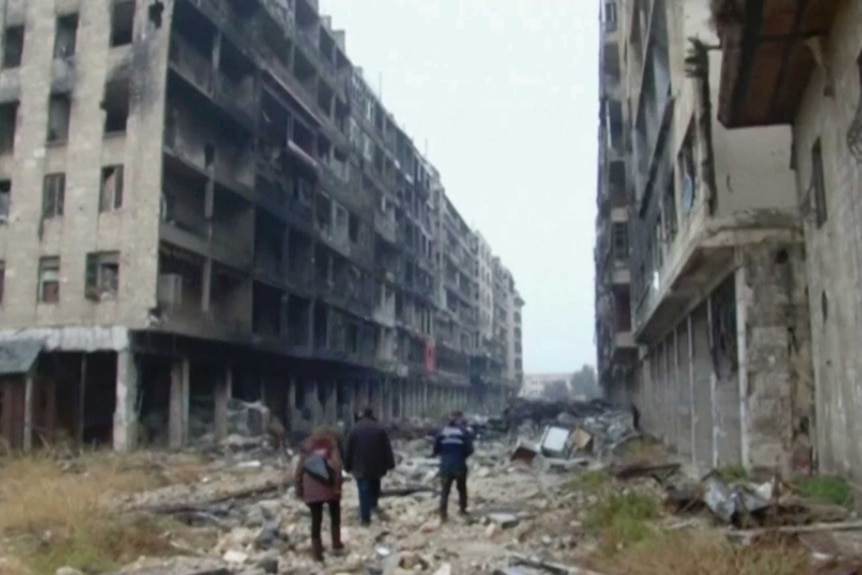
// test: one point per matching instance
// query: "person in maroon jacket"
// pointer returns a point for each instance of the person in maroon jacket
(318, 483)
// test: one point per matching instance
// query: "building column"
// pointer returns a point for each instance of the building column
(312, 401)
(291, 404)
(330, 407)
(178, 424)
(28, 412)
(424, 399)
(125, 414)
(223, 393)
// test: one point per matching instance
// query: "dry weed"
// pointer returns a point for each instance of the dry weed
(64, 510)
(706, 554)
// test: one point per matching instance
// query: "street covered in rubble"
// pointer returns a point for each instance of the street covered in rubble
(554, 488)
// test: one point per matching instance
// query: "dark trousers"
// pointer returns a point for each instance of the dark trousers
(369, 495)
(334, 521)
(461, 483)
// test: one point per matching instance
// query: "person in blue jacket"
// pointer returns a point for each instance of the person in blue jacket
(454, 446)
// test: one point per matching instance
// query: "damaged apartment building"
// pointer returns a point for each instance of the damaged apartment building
(703, 318)
(796, 67)
(203, 200)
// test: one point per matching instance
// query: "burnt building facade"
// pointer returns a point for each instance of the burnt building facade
(204, 200)
(719, 319)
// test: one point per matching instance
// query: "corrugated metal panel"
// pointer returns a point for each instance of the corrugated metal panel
(17, 357)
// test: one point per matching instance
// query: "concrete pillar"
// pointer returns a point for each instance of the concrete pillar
(312, 401)
(223, 393)
(28, 412)
(125, 416)
(330, 407)
(379, 391)
(424, 400)
(178, 423)
(291, 404)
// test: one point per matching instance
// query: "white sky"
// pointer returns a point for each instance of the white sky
(505, 93)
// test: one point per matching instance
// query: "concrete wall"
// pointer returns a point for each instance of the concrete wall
(133, 229)
(834, 256)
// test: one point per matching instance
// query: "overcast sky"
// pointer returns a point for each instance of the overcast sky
(505, 94)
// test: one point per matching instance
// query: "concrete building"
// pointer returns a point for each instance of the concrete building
(616, 350)
(717, 266)
(808, 85)
(226, 210)
(485, 293)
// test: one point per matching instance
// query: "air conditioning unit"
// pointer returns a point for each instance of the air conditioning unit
(170, 290)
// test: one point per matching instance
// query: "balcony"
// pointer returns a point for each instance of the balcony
(191, 64)
(386, 227)
(624, 340)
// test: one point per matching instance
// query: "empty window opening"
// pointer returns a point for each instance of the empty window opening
(353, 228)
(688, 176)
(13, 46)
(323, 213)
(53, 195)
(267, 311)
(111, 193)
(621, 241)
(818, 183)
(122, 22)
(5, 193)
(116, 106)
(59, 111)
(66, 35)
(299, 316)
(102, 276)
(209, 155)
(320, 325)
(154, 13)
(49, 280)
(2, 279)
(8, 123)
(669, 208)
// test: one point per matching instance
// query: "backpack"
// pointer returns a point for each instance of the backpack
(318, 468)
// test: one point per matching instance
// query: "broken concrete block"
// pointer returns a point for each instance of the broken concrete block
(65, 571)
(582, 440)
(235, 557)
(445, 569)
(176, 566)
(504, 520)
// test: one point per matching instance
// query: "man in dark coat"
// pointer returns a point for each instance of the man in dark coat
(453, 445)
(368, 458)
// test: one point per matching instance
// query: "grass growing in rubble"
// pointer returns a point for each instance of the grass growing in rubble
(826, 489)
(705, 554)
(732, 473)
(591, 482)
(622, 520)
(642, 450)
(61, 513)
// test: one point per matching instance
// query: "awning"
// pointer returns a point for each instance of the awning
(18, 357)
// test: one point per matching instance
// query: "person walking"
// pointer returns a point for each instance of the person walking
(369, 458)
(454, 446)
(318, 483)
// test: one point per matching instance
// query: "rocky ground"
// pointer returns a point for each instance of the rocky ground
(608, 507)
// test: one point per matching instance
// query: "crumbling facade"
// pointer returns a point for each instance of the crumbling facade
(809, 85)
(203, 199)
(717, 259)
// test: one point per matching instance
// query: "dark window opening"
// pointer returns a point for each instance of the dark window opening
(154, 13)
(8, 123)
(353, 228)
(13, 46)
(818, 183)
(111, 194)
(621, 241)
(102, 278)
(66, 36)
(49, 280)
(669, 209)
(122, 22)
(53, 195)
(116, 106)
(688, 176)
(2, 280)
(59, 112)
(5, 193)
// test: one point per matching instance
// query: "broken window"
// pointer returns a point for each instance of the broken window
(116, 106)
(49, 280)
(8, 122)
(59, 110)
(688, 176)
(53, 195)
(818, 184)
(65, 38)
(111, 194)
(13, 46)
(669, 207)
(621, 241)
(5, 192)
(353, 228)
(102, 278)
(304, 191)
(122, 22)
